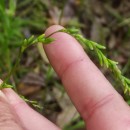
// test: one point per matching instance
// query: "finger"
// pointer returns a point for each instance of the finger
(99, 104)
(30, 119)
(8, 119)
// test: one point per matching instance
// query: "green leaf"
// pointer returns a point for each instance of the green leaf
(106, 62)
(12, 7)
(4, 85)
(2, 5)
(103, 60)
(48, 40)
(125, 88)
(73, 31)
(127, 80)
(30, 41)
(41, 37)
(99, 46)
(100, 57)
(33, 103)
(89, 43)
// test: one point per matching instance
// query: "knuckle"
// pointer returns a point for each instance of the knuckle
(7, 117)
(91, 107)
(68, 66)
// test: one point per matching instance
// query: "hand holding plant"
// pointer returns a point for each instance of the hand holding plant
(98, 103)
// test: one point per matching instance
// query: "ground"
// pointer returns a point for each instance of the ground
(106, 22)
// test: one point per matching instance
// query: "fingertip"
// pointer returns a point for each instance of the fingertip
(52, 29)
(63, 51)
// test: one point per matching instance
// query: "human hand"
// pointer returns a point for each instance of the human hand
(101, 107)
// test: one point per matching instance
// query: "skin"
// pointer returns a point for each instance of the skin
(101, 107)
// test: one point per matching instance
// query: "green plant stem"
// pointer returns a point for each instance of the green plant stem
(103, 60)
(13, 69)
(25, 44)
(79, 125)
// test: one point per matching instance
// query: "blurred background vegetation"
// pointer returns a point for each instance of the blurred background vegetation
(106, 22)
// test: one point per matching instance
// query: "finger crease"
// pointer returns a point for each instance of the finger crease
(18, 104)
(98, 105)
(69, 66)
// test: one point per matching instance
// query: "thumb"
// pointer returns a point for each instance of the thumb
(8, 118)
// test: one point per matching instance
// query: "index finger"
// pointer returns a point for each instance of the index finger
(93, 96)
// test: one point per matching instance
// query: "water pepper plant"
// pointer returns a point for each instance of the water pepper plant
(91, 45)
(103, 60)
(25, 44)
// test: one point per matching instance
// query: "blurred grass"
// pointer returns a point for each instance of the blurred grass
(10, 36)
